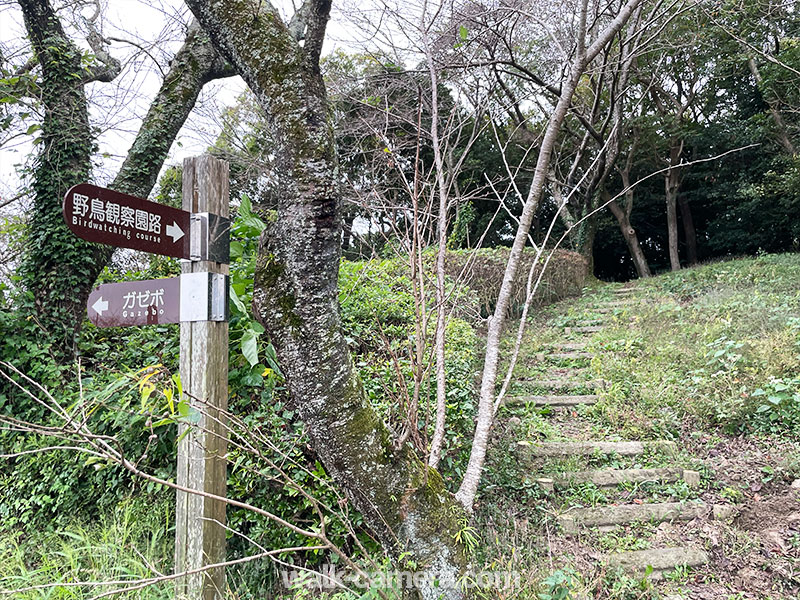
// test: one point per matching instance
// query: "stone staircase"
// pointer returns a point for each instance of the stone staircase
(575, 388)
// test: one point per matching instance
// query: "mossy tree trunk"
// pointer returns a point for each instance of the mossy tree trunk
(56, 263)
(404, 502)
(59, 270)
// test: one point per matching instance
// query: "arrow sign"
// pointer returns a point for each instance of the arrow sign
(100, 306)
(174, 231)
(135, 303)
(191, 297)
(101, 215)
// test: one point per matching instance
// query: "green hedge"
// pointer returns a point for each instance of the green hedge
(482, 271)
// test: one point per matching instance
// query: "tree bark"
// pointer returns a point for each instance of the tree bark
(688, 230)
(59, 270)
(671, 185)
(403, 501)
(631, 239)
(55, 260)
(194, 65)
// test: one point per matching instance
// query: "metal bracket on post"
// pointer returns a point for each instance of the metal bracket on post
(209, 238)
(204, 297)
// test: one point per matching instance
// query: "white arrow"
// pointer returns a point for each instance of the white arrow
(100, 306)
(174, 232)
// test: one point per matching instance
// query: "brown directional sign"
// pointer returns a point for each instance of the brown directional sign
(199, 296)
(108, 217)
(136, 303)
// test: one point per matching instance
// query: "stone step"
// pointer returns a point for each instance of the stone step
(585, 329)
(622, 303)
(541, 356)
(609, 517)
(562, 384)
(661, 560)
(560, 449)
(586, 321)
(571, 346)
(613, 477)
(553, 401)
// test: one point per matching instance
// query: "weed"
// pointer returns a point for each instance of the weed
(616, 585)
(779, 405)
(585, 494)
(732, 495)
(136, 543)
(679, 573)
(559, 585)
(623, 541)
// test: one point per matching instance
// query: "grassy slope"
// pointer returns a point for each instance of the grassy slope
(710, 360)
(667, 380)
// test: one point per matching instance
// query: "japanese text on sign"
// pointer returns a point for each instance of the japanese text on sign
(110, 216)
(139, 304)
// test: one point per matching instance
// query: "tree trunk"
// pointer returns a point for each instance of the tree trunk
(437, 441)
(774, 110)
(194, 65)
(587, 231)
(631, 239)
(671, 185)
(472, 475)
(403, 501)
(565, 213)
(59, 269)
(688, 230)
(56, 261)
(672, 231)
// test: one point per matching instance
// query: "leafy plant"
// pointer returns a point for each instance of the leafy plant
(723, 354)
(779, 405)
(132, 542)
(732, 494)
(558, 585)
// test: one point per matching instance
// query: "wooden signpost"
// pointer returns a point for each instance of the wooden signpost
(202, 462)
(198, 300)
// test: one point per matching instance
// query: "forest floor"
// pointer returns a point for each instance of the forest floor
(693, 381)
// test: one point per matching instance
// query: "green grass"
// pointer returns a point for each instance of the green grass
(710, 357)
(723, 349)
(134, 543)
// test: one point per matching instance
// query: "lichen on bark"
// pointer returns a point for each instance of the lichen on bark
(405, 504)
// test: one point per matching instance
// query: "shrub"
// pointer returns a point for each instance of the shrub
(483, 271)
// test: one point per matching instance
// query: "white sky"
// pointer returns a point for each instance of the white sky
(118, 107)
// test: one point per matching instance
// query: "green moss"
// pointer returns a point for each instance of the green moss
(269, 270)
(269, 277)
(286, 303)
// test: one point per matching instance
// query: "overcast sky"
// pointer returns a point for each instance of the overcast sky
(153, 32)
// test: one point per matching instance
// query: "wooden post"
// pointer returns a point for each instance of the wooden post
(199, 531)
